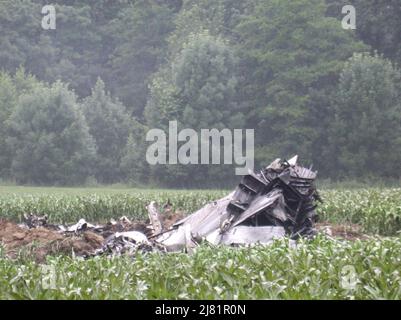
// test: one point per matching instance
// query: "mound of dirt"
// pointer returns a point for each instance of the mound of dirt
(79, 245)
(13, 236)
(40, 242)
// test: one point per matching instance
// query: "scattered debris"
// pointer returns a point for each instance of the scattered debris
(278, 201)
(124, 242)
(33, 221)
(82, 225)
(38, 238)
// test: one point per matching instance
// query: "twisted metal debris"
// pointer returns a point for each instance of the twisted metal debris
(278, 201)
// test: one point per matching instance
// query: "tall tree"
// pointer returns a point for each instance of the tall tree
(198, 90)
(218, 17)
(19, 33)
(76, 52)
(378, 24)
(292, 56)
(133, 163)
(8, 100)
(366, 133)
(49, 138)
(11, 88)
(109, 124)
(141, 31)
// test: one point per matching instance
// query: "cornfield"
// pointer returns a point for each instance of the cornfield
(378, 211)
(318, 269)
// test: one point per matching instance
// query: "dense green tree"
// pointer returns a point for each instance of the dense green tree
(218, 17)
(109, 124)
(77, 52)
(133, 163)
(25, 82)
(141, 31)
(198, 90)
(378, 24)
(273, 66)
(292, 56)
(205, 75)
(11, 87)
(366, 134)
(49, 138)
(8, 100)
(18, 32)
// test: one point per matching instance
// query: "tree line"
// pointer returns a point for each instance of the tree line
(76, 102)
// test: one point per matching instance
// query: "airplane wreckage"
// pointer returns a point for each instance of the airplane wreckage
(279, 201)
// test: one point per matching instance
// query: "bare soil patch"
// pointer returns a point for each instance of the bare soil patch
(40, 242)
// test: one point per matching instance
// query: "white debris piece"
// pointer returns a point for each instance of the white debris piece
(177, 239)
(136, 236)
(82, 224)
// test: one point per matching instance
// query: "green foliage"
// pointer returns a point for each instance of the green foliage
(366, 133)
(49, 138)
(378, 24)
(50, 55)
(273, 66)
(8, 100)
(141, 31)
(314, 270)
(378, 211)
(205, 76)
(121, 41)
(19, 33)
(218, 17)
(293, 54)
(133, 163)
(11, 87)
(109, 124)
(198, 90)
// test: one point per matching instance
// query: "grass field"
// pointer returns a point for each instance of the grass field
(315, 269)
